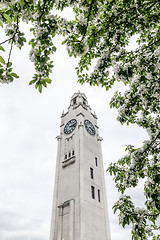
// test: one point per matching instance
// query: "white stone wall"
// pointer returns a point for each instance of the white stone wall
(76, 215)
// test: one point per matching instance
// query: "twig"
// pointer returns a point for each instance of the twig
(12, 38)
(87, 21)
(43, 10)
(7, 39)
(10, 53)
(152, 215)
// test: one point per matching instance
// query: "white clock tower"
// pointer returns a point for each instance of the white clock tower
(79, 204)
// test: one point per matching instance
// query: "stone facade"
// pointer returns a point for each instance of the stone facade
(79, 203)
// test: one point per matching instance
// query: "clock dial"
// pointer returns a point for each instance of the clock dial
(70, 126)
(89, 127)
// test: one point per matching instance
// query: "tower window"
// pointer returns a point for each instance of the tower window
(96, 161)
(74, 100)
(99, 197)
(91, 172)
(65, 156)
(93, 192)
(69, 155)
(73, 153)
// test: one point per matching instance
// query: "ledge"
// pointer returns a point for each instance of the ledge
(64, 114)
(99, 138)
(94, 115)
(68, 161)
(80, 114)
(59, 137)
(85, 106)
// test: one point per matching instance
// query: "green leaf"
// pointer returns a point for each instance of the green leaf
(14, 75)
(54, 49)
(2, 60)
(44, 84)
(7, 17)
(21, 3)
(31, 82)
(48, 80)
(40, 88)
(1, 48)
(9, 64)
(1, 24)
(1, 70)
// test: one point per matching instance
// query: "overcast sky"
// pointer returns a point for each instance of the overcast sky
(29, 124)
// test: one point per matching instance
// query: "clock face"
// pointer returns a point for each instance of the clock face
(70, 126)
(89, 127)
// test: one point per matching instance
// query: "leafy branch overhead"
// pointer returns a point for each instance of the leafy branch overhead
(99, 35)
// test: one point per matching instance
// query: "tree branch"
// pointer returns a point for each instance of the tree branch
(11, 38)
(10, 53)
(12, 43)
(7, 40)
(89, 13)
(152, 215)
(154, 229)
(133, 8)
(152, 142)
(43, 10)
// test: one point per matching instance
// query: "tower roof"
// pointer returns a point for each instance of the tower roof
(79, 94)
(79, 99)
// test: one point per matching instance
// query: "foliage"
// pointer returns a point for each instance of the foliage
(101, 32)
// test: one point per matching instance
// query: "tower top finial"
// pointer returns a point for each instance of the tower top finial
(79, 94)
(79, 98)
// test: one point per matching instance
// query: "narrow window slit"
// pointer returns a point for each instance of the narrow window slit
(91, 172)
(96, 161)
(93, 192)
(99, 197)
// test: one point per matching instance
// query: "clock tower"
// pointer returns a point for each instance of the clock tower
(79, 203)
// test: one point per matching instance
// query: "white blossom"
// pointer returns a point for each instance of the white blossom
(32, 55)
(4, 5)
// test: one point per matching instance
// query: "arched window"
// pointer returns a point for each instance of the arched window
(74, 100)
